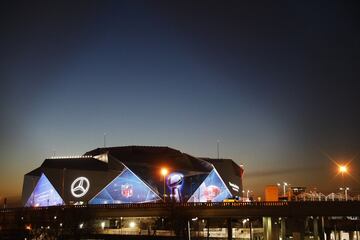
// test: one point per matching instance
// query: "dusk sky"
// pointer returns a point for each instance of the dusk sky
(276, 83)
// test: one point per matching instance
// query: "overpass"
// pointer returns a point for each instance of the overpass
(321, 213)
(202, 210)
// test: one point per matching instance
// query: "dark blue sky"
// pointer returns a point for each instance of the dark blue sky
(277, 84)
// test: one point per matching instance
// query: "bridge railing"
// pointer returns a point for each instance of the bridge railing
(189, 205)
(155, 205)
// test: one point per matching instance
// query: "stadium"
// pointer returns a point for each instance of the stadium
(131, 174)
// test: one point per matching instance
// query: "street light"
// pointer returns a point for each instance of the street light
(285, 185)
(345, 189)
(247, 194)
(250, 226)
(279, 189)
(343, 169)
(164, 172)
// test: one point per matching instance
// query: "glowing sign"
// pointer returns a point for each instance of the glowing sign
(44, 194)
(80, 187)
(174, 182)
(212, 189)
(234, 186)
(125, 188)
(211, 192)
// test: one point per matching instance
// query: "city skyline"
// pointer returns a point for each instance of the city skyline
(276, 84)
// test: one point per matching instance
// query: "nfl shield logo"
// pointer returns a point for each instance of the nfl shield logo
(211, 192)
(127, 190)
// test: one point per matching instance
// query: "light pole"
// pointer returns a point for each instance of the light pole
(279, 190)
(250, 226)
(285, 185)
(345, 189)
(343, 169)
(247, 194)
(164, 172)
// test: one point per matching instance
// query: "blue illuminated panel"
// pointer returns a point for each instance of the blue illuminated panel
(125, 188)
(44, 194)
(212, 189)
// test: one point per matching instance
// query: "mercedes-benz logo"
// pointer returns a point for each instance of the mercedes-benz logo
(80, 187)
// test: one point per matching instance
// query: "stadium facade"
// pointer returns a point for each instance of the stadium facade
(131, 174)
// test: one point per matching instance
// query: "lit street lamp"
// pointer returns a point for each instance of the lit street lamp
(345, 189)
(284, 187)
(279, 187)
(247, 194)
(343, 169)
(164, 172)
(250, 226)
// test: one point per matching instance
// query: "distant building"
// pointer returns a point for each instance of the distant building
(295, 192)
(272, 193)
(131, 174)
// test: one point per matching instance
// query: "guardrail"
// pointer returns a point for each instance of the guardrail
(185, 205)
(205, 210)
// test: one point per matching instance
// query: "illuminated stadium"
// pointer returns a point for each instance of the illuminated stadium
(131, 174)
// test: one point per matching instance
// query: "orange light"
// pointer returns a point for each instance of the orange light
(343, 169)
(164, 171)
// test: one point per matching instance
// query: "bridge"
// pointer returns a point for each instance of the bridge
(202, 210)
(325, 216)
